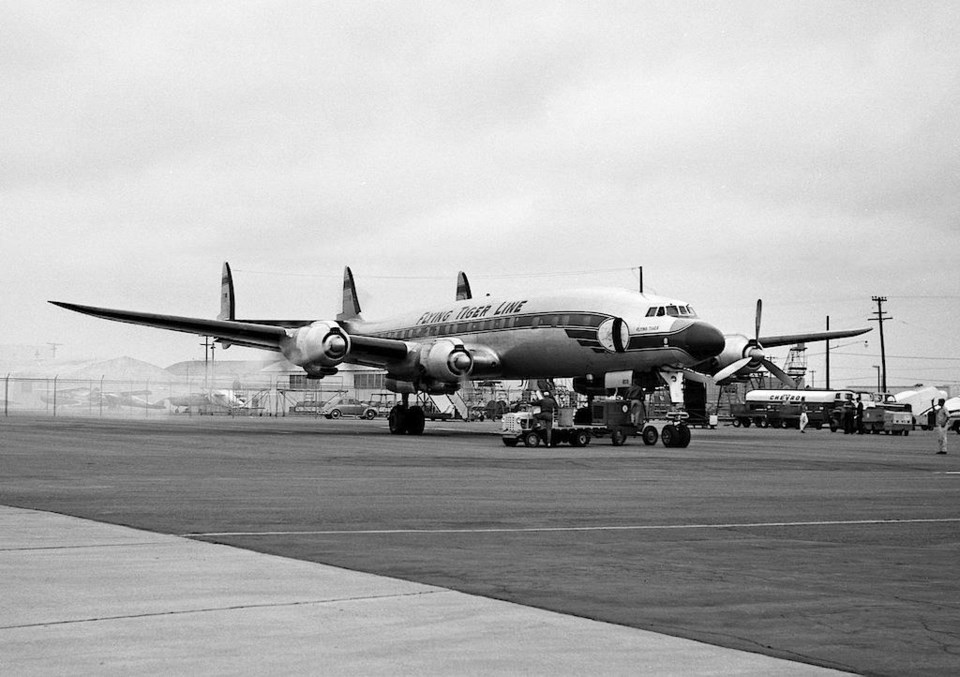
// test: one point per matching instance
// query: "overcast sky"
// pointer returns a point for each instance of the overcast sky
(806, 153)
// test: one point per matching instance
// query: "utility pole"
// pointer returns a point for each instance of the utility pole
(828, 355)
(880, 317)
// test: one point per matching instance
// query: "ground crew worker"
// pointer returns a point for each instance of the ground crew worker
(859, 416)
(548, 407)
(849, 414)
(804, 419)
(943, 416)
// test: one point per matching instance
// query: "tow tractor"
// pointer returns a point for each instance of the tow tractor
(610, 418)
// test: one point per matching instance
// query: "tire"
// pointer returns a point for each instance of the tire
(531, 439)
(685, 436)
(370, 414)
(510, 441)
(415, 421)
(746, 422)
(583, 437)
(397, 420)
(618, 437)
(650, 435)
(736, 423)
(336, 413)
(669, 435)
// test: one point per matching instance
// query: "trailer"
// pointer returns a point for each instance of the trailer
(578, 427)
(781, 408)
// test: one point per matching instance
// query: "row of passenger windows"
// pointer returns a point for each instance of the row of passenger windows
(672, 311)
(456, 328)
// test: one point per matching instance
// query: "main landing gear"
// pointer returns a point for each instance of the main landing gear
(406, 420)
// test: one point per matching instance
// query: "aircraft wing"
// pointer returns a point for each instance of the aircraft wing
(790, 339)
(246, 333)
(365, 349)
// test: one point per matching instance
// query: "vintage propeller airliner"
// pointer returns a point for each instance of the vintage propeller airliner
(601, 338)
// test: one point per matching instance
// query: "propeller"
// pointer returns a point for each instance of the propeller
(754, 357)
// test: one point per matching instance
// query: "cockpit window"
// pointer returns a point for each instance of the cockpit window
(692, 312)
(661, 312)
(651, 312)
(683, 310)
(672, 311)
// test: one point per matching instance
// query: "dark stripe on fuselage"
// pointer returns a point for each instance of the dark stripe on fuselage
(581, 327)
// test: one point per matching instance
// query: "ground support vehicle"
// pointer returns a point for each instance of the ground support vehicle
(883, 419)
(671, 429)
(781, 408)
(610, 418)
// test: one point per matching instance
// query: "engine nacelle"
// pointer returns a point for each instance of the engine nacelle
(446, 360)
(318, 348)
(737, 347)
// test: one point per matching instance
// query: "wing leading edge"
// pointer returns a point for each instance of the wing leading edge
(366, 349)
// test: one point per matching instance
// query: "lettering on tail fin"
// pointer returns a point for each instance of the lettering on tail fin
(351, 306)
(228, 308)
(463, 287)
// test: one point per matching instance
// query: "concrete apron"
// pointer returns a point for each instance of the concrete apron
(81, 597)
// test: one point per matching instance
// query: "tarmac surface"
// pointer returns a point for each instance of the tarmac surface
(749, 552)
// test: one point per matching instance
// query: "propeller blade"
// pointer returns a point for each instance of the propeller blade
(756, 334)
(698, 376)
(779, 373)
(731, 369)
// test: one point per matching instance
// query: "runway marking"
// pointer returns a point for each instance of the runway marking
(517, 530)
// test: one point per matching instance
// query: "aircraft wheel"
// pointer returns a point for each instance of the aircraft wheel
(510, 441)
(650, 435)
(370, 414)
(531, 439)
(415, 421)
(397, 420)
(684, 440)
(618, 437)
(669, 435)
(335, 413)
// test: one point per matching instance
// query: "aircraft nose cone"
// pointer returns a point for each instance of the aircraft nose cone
(703, 340)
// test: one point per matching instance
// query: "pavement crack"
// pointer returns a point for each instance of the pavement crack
(217, 609)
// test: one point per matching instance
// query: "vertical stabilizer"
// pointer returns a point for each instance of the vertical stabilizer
(228, 308)
(463, 287)
(351, 306)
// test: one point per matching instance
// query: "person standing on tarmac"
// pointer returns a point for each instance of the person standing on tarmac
(849, 414)
(942, 417)
(804, 419)
(548, 407)
(859, 415)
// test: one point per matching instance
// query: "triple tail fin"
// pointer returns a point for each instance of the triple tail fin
(351, 306)
(228, 304)
(463, 287)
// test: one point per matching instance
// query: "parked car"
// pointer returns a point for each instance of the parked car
(348, 406)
